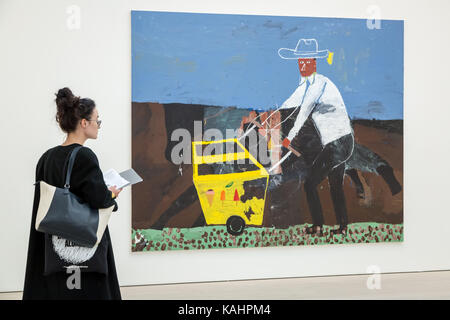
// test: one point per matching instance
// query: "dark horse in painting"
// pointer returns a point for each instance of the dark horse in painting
(294, 168)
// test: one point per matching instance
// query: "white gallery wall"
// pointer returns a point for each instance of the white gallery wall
(40, 52)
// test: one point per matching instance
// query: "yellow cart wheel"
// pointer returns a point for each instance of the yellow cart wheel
(235, 225)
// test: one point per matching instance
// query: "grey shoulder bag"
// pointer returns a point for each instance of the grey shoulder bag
(64, 214)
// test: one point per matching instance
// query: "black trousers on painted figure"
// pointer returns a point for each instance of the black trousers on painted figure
(330, 162)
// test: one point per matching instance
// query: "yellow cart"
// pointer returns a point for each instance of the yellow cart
(231, 184)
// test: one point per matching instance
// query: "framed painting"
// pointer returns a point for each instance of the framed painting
(253, 131)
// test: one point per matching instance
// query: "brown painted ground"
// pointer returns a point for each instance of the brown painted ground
(162, 183)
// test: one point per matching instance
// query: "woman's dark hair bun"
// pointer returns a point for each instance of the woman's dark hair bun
(64, 93)
(69, 111)
(65, 99)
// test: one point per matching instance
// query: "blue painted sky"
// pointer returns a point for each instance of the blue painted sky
(232, 60)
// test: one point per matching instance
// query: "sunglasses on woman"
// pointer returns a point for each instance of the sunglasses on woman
(99, 122)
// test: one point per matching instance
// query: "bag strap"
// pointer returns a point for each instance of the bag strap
(69, 168)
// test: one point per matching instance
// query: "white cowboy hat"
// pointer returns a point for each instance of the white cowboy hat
(305, 49)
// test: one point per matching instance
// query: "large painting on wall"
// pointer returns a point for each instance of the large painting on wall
(254, 131)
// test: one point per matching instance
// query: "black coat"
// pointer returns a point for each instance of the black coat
(86, 182)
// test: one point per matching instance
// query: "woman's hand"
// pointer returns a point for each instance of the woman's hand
(115, 191)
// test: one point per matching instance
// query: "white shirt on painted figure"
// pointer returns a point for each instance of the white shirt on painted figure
(325, 104)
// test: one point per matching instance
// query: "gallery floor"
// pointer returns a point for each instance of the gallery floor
(418, 285)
